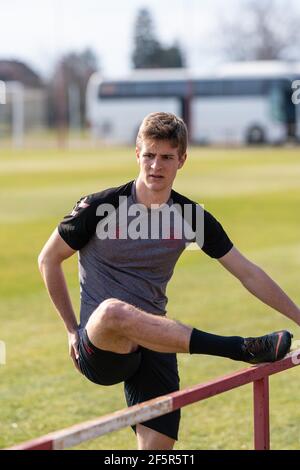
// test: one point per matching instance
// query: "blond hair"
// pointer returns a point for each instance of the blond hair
(164, 126)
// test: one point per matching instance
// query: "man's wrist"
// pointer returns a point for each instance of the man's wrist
(296, 315)
(71, 329)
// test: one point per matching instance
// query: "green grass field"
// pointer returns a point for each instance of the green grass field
(255, 194)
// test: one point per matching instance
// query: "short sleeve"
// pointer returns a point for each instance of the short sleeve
(78, 227)
(216, 241)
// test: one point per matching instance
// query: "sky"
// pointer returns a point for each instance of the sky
(38, 31)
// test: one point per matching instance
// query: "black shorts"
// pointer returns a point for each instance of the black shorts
(146, 375)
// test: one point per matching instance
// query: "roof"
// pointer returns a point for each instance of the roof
(14, 70)
(258, 69)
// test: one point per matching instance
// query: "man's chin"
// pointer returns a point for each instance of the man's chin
(156, 185)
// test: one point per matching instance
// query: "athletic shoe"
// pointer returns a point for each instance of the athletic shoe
(268, 348)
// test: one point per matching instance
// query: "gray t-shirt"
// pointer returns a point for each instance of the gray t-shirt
(127, 253)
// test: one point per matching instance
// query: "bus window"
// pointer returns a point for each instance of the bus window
(277, 102)
(282, 107)
(290, 111)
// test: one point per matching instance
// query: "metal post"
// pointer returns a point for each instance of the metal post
(261, 414)
(160, 406)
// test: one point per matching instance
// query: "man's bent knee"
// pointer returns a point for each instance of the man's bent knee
(105, 327)
(114, 316)
(108, 313)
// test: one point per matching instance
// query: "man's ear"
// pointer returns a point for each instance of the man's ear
(137, 154)
(182, 160)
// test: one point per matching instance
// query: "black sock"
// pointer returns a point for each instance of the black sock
(214, 345)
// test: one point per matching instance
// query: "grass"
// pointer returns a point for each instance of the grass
(256, 195)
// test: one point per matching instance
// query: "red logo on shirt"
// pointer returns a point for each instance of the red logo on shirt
(82, 205)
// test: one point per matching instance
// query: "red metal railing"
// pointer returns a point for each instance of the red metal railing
(259, 375)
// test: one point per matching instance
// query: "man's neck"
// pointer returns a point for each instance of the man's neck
(147, 197)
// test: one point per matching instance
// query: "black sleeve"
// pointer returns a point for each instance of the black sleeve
(77, 228)
(216, 242)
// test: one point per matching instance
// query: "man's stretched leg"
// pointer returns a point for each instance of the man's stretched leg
(120, 327)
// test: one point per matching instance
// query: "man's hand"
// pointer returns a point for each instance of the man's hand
(73, 338)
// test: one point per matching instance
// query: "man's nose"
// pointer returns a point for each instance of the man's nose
(156, 163)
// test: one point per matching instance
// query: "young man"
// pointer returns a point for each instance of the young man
(125, 263)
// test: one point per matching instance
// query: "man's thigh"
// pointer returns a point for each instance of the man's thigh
(105, 367)
(156, 376)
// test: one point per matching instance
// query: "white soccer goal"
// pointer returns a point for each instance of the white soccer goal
(12, 112)
(2, 92)
(2, 353)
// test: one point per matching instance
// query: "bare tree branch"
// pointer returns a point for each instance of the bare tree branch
(262, 30)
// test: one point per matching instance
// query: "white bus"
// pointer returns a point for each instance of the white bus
(248, 102)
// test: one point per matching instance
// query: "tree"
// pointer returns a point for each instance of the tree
(146, 44)
(262, 30)
(148, 51)
(172, 56)
(11, 70)
(67, 87)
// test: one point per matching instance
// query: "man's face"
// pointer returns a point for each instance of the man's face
(158, 162)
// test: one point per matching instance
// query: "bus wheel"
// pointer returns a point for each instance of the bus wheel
(255, 136)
